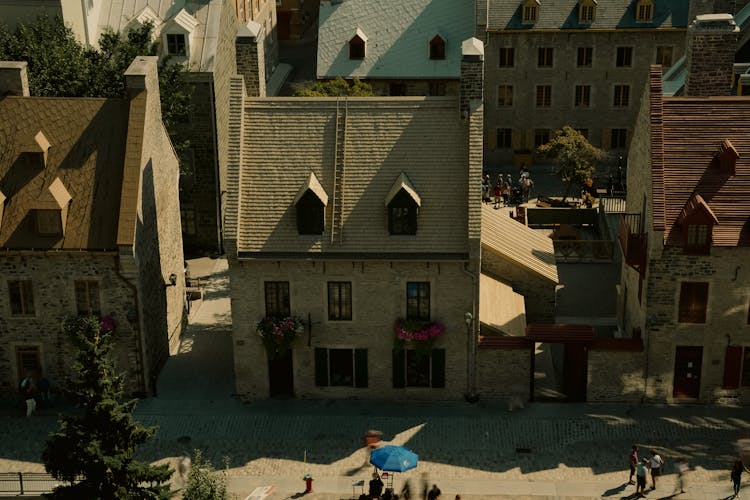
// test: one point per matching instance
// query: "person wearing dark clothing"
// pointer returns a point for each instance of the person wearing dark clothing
(737, 469)
(434, 493)
(376, 486)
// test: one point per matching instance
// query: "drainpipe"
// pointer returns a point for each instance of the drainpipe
(219, 215)
(142, 370)
(471, 354)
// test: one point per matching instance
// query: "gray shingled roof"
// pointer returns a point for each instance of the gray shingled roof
(563, 14)
(398, 35)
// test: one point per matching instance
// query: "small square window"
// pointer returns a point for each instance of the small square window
(277, 299)
(621, 96)
(49, 222)
(644, 11)
(664, 56)
(619, 138)
(507, 56)
(585, 57)
(698, 239)
(545, 57)
(583, 96)
(504, 96)
(87, 298)
(339, 300)
(624, 57)
(586, 13)
(504, 138)
(530, 13)
(418, 301)
(541, 136)
(543, 96)
(693, 302)
(176, 44)
(21, 298)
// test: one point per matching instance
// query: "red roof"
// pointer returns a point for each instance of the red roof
(687, 134)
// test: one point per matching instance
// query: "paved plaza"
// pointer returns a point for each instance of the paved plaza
(476, 450)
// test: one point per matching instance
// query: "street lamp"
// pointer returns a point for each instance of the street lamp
(467, 318)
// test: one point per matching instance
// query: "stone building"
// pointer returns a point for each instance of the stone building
(687, 242)
(400, 48)
(571, 62)
(265, 14)
(201, 36)
(295, 18)
(89, 224)
(342, 212)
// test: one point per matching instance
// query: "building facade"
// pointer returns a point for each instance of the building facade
(89, 225)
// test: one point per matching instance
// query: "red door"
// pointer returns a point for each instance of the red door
(687, 371)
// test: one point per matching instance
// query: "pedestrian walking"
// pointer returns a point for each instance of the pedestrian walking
(28, 393)
(737, 469)
(498, 193)
(183, 469)
(425, 485)
(640, 477)
(506, 190)
(407, 492)
(655, 464)
(434, 493)
(633, 462)
(376, 486)
(681, 468)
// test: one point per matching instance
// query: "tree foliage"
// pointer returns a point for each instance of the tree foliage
(574, 157)
(204, 483)
(336, 88)
(59, 66)
(94, 450)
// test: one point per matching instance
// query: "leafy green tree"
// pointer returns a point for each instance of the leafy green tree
(336, 88)
(204, 483)
(574, 157)
(59, 66)
(94, 449)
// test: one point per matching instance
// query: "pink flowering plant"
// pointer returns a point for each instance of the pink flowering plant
(420, 335)
(107, 323)
(278, 334)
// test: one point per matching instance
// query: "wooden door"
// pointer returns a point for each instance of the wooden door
(281, 375)
(687, 371)
(283, 24)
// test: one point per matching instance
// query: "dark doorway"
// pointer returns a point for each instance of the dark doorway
(281, 375)
(283, 21)
(687, 371)
(575, 372)
(560, 372)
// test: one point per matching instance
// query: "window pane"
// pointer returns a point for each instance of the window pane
(339, 300)
(21, 298)
(417, 369)
(418, 301)
(87, 298)
(277, 298)
(341, 362)
(693, 302)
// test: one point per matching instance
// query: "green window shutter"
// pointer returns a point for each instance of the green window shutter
(360, 367)
(438, 368)
(399, 368)
(321, 367)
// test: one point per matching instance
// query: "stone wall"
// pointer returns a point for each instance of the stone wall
(726, 315)
(615, 376)
(711, 45)
(53, 277)
(250, 61)
(379, 297)
(414, 87)
(503, 373)
(538, 292)
(523, 117)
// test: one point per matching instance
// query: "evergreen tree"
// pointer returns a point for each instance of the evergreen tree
(204, 483)
(573, 155)
(94, 450)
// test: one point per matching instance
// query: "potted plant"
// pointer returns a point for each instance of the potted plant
(417, 334)
(278, 334)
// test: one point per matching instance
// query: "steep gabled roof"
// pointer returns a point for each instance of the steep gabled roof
(84, 167)
(398, 34)
(563, 14)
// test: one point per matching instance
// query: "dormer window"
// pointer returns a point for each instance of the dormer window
(727, 157)
(176, 45)
(310, 202)
(51, 210)
(437, 48)
(402, 204)
(36, 148)
(49, 222)
(587, 11)
(644, 11)
(357, 45)
(697, 221)
(530, 11)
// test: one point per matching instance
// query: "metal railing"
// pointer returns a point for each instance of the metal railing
(21, 483)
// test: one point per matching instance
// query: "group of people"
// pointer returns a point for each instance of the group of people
(504, 192)
(408, 492)
(654, 464)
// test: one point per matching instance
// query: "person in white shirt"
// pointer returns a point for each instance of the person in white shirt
(655, 463)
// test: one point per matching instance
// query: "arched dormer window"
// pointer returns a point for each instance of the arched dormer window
(310, 202)
(697, 221)
(644, 11)
(530, 11)
(358, 45)
(587, 11)
(437, 48)
(402, 204)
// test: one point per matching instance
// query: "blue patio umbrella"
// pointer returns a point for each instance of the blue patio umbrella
(394, 458)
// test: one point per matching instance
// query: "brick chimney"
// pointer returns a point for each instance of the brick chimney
(711, 45)
(472, 74)
(249, 46)
(14, 79)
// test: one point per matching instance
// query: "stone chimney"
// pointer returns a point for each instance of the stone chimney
(142, 74)
(472, 74)
(251, 65)
(711, 45)
(14, 79)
